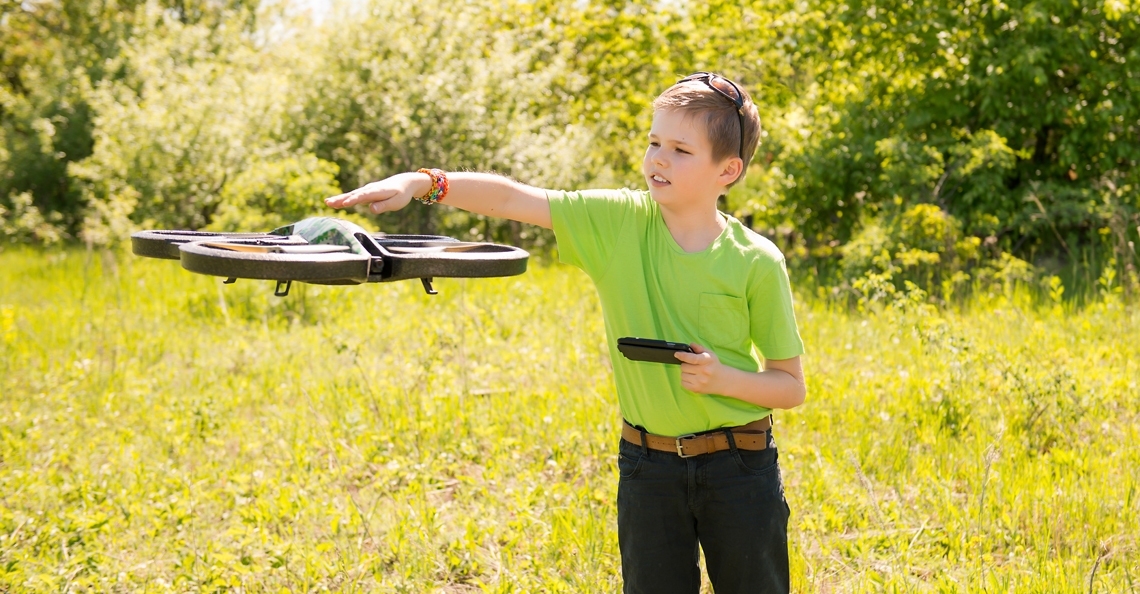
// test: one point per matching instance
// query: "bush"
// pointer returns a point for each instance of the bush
(196, 107)
(22, 222)
(1013, 117)
(271, 194)
(923, 249)
(368, 94)
(923, 244)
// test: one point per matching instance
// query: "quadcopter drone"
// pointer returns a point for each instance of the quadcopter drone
(329, 251)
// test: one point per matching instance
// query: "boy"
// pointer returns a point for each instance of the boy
(697, 460)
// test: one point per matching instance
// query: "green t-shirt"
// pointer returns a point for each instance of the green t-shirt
(727, 298)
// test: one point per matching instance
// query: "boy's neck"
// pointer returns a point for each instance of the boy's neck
(694, 228)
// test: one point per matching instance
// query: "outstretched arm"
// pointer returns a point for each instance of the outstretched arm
(480, 193)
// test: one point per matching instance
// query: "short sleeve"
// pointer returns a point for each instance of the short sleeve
(772, 317)
(587, 225)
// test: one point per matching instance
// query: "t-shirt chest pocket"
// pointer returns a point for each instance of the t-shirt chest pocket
(722, 320)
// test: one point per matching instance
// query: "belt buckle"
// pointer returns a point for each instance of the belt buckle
(680, 449)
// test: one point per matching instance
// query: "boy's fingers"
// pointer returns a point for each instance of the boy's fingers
(683, 356)
(359, 196)
(342, 200)
(702, 358)
(354, 197)
(706, 356)
(388, 203)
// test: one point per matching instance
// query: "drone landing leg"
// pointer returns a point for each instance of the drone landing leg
(427, 286)
(229, 281)
(282, 288)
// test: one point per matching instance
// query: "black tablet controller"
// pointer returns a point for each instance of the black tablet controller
(651, 350)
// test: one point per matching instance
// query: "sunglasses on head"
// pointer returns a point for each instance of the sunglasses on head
(727, 89)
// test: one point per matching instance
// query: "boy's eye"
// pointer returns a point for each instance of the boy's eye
(653, 143)
(683, 151)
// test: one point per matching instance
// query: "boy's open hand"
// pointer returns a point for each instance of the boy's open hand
(701, 370)
(385, 195)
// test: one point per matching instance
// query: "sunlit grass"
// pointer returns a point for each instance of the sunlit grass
(159, 430)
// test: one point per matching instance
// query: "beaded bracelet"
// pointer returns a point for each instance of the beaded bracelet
(438, 186)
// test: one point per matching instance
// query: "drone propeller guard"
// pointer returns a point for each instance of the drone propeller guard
(325, 250)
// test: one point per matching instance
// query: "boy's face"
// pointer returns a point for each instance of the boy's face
(679, 165)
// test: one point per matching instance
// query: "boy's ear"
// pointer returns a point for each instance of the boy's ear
(731, 171)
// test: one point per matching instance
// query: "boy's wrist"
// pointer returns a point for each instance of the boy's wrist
(419, 184)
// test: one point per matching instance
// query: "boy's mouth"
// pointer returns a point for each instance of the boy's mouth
(658, 179)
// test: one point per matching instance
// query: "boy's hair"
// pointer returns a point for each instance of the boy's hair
(695, 98)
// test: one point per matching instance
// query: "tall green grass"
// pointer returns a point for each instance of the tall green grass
(160, 431)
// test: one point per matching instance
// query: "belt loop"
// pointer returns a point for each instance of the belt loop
(644, 443)
(731, 440)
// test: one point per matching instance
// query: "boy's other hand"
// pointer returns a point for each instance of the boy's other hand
(701, 370)
(385, 195)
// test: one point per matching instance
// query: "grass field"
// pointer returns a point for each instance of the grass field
(162, 432)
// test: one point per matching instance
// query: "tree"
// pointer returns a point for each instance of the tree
(52, 55)
(1021, 119)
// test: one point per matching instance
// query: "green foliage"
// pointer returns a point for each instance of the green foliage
(53, 54)
(173, 131)
(267, 195)
(44, 121)
(23, 222)
(911, 169)
(1011, 116)
(198, 436)
(375, 99)
(923, 244)
(1017, 119)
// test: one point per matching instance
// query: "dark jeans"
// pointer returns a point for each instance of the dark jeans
(731, 503)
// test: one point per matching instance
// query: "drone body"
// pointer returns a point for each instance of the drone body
(329, 251)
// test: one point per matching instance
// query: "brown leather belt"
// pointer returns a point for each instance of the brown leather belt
(753, 437)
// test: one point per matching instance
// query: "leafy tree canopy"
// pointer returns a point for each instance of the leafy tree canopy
(1017, 122)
